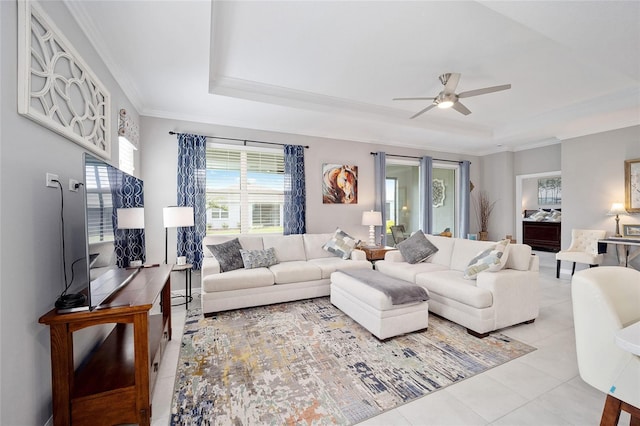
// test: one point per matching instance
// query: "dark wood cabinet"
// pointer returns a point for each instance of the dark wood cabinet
(115, 383)
(542, 235)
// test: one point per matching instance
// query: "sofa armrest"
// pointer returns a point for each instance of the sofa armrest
(357, 254)
(515, 295)
(394, 256)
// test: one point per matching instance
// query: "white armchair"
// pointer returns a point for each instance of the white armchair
(606, 300)
(583, 249)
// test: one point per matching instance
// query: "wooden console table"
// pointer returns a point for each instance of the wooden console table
(114, 385)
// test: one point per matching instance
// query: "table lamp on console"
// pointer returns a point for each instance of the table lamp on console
(616, 210)
(372, 219)
(131, 218)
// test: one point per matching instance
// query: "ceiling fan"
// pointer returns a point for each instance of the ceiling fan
(448, 97)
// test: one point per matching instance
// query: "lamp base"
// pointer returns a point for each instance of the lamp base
(372, 236)
(618, 227)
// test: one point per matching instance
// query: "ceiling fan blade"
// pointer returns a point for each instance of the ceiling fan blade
(423, 111)
(484, 91)
(413, 99)
(461, 108)
(452, 82)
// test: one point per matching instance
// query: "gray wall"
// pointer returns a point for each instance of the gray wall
(498, 182)
(159, 173)
(593, 179)
(31, 274)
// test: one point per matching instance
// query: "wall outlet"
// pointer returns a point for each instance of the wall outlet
(73, 185)
(50, 180)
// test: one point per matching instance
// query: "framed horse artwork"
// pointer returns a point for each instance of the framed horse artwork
(339, 184)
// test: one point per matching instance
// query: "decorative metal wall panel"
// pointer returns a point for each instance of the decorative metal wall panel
(56, 88)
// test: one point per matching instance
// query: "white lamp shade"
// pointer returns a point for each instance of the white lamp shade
(372, 218)
(130, 218)
(616, 209)
(174, 217)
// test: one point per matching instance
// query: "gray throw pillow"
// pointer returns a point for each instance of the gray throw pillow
(228, 255)
(259, 258)
(416, 248)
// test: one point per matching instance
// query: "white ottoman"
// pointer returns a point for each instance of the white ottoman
(373, 310)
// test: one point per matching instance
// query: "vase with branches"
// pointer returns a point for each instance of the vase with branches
(484, 207)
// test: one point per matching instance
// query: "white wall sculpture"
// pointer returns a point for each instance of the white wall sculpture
(56, 88)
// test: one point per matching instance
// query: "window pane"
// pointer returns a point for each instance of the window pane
(245, 191)
(99, 204)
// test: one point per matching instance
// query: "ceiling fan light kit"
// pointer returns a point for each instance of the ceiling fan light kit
(448, 98)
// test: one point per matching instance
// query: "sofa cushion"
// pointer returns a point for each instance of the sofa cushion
(417, 248)
(287, 247)
(258, 258)
(445, 249)
(341, 244)
(331, 264)
(487, 260)
(405, 271)
(519, 257)
(451, 285)
(314, 245)
(465, 250)
(228, 255)
(295, 271)
(238, 279)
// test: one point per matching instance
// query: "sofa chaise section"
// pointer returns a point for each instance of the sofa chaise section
(492, 301)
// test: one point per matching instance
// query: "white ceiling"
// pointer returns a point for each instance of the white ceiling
(331, 69)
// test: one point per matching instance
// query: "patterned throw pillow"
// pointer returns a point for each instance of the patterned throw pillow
(228, 255)
(258, 258)
(489, 260)
(416, 248)
(341, 244)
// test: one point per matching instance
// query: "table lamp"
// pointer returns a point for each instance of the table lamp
(372, 219)
(616, 210)
(174, 217)
(131, 218)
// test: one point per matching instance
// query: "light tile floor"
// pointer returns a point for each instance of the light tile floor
(542, 388)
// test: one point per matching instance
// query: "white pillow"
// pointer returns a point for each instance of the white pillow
(488, 260)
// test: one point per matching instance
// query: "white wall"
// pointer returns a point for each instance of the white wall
(159, 170)
(593, 179)
(31, 275)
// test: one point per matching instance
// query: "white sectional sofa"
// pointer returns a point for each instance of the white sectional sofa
(303, 271)
(492, 301)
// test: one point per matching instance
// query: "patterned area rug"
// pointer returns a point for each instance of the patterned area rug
(308, 363)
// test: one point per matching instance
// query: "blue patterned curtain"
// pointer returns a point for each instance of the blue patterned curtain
(380, 177)
(426, 201)
(295, 199)
(192, 174)
(126, 192)
(465, 198)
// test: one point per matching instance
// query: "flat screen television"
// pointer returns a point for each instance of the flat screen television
(109, 250)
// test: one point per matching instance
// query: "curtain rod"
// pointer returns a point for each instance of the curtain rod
(417, 158)
(244, 141)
